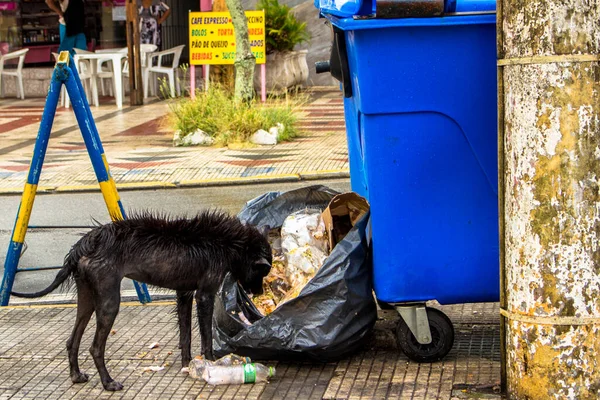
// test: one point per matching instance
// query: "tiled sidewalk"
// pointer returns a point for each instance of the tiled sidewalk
(33, 363)
(140, 151)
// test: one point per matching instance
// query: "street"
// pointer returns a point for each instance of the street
(47, 245)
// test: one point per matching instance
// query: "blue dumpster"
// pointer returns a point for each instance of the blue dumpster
(421, 119)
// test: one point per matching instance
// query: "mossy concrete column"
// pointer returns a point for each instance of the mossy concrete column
(550, 201)
(244, 59)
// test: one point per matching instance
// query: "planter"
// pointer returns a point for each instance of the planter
(285, 70)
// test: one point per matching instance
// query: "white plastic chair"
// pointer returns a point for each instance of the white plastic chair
(86, 75)
(167, 70)
(17, 73)
(103, 71)
(145, 51)
(85, 72)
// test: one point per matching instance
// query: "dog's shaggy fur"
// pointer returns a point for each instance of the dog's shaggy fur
(186, 255)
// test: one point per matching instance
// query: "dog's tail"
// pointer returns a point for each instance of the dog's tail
(68, 269)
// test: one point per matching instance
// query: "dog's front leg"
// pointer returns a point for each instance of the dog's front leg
(205, 303)
(184, 316)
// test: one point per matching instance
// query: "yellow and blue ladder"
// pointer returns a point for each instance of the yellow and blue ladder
(64, 73)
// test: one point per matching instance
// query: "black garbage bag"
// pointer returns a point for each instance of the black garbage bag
(333, 313)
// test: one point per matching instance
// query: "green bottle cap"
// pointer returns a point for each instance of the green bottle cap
(249, 373)
(271, 372)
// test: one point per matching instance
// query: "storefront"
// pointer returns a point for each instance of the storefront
(31, 24)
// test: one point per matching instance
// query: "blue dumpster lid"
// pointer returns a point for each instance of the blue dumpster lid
(346, 8)
(350, 8)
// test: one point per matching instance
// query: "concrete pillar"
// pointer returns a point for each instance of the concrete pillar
(550, 201)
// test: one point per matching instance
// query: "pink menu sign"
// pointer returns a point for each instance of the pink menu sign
(8, 6)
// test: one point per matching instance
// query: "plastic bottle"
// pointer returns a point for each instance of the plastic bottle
(236, 374)
(197, 365)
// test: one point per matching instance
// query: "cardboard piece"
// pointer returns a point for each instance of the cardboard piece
(342, 213)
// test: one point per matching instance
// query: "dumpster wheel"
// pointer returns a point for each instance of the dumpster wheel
(442, 338)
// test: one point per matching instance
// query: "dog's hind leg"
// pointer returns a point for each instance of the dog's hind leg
(85, 309)
(107, 308)
(184, 316)
(204, 307)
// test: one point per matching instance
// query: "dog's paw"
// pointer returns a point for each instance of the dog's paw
(80, 378)
(113, 386)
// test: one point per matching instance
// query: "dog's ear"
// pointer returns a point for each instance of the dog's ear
(264, 230)
(262, 266)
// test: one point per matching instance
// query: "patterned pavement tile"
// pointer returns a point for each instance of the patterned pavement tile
(139, 147)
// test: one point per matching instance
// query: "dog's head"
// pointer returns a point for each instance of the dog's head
(259, 259)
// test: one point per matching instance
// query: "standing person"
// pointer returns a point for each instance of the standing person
(151, 18)
(62, 26)
(71, 24)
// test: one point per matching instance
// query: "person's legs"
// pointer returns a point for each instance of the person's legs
(62, 30)
(80, 42)
(67, 44)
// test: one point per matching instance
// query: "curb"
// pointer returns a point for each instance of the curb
(69, 299)
(301, 176)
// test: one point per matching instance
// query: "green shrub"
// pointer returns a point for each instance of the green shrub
(228, 121)
(283, 30)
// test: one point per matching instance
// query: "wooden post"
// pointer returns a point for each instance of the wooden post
(136, 92)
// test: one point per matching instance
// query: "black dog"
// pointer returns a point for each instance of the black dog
(187, 255)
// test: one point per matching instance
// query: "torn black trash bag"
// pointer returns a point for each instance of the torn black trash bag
(334, 312)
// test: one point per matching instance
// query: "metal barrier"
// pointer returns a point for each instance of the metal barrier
(65, 73)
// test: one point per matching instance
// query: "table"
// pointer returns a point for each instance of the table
(115, 56)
